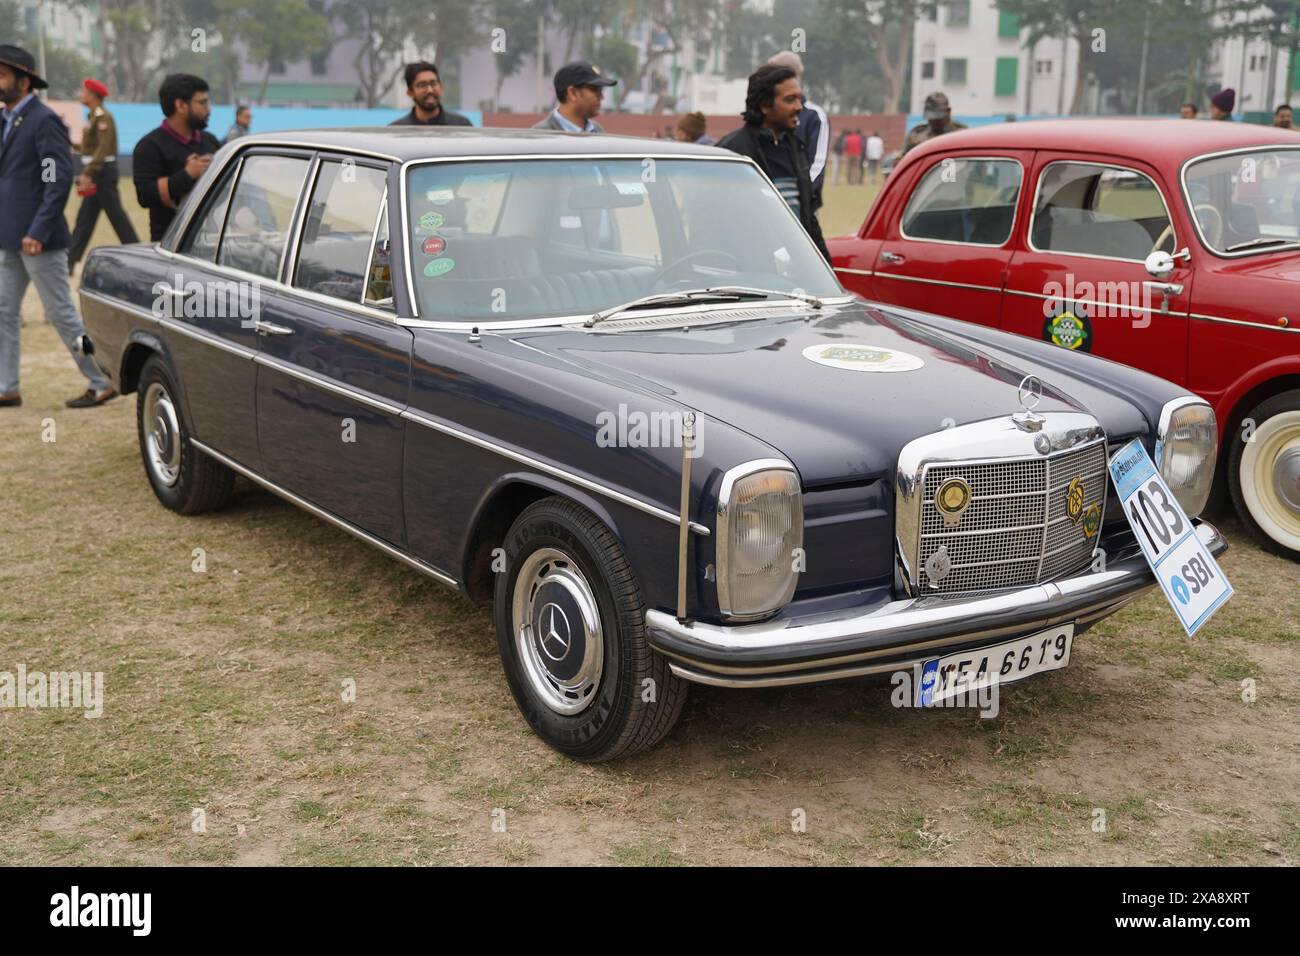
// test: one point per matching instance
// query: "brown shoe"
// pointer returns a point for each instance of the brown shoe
(90, 398)
(11, 400)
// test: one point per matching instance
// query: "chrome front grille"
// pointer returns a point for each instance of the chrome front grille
(1017, 530)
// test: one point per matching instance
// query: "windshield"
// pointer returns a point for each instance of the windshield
(521, 239)
(1247, 202)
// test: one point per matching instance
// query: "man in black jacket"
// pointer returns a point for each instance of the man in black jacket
(169, 160)
(424, 87)
(772, 106)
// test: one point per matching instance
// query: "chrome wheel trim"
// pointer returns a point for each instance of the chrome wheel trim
(558, 634)
(1269, 460)
(162, 435)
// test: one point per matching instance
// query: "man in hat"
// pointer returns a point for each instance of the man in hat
(938, 120)
(35, 179)
(169, 160)
(424, 87)
(773, 101)
(97, 183)
(1221, 104)
(579, 88)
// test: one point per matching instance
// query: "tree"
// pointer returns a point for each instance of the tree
(273, 31)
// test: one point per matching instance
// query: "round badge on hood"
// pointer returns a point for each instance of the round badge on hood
(862, 357)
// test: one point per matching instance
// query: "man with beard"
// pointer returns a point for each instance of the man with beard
(169, 160)
(35, 179)
(424, 87)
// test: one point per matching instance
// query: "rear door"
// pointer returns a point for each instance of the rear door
(334, 367)
(948, 249)
(223, 272)
(1079, 279)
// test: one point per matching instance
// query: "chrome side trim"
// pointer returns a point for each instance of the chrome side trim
(189, 331)
(118, 304)
(854, 272)
(722, 556)
(1011, 231)
(1038, 188)
(1095, 304)
(329, 385)
(1250, 325)
(1191, 207)
(427, 421)
(957, 285)
(422, 566)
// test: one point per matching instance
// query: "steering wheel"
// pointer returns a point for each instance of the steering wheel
(1169, 231)
(1212, 226)
(690, 257)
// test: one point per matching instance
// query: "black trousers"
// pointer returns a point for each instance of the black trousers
(109, 200)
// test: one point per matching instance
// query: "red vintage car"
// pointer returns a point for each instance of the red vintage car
(1169, 245)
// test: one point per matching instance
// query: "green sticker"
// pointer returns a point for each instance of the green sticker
(437, 267)
(430, 220)
(1069, 331)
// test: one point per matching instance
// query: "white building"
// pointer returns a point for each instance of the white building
(1252, 67)
(974, 53)
(72, 26)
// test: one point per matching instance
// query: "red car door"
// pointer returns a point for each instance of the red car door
(946, 248)
(1079, 279)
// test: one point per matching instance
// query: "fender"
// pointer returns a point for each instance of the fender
(1231, 398)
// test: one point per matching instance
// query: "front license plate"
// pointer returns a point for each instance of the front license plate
(945, 677)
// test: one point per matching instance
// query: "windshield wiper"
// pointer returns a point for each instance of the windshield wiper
(676, 298)
(699, 295)
(1260, 243)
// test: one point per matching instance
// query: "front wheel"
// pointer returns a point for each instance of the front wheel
(1264, 473)
(571, 631)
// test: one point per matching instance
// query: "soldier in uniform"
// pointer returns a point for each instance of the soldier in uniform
(938, 120)
(97, 183)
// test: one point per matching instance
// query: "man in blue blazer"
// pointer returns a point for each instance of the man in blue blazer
(36, 175)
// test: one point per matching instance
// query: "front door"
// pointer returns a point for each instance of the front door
(1079, 279)
(947, 251)
(334, 366)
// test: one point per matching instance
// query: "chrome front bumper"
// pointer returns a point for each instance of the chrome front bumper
(892, 636)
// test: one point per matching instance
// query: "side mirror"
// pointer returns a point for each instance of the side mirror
(1160, 265)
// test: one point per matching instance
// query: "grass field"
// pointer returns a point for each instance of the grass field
(224, 694)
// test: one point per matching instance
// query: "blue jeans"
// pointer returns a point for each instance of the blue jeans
(49, 270)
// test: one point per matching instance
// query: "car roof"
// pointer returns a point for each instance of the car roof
(1168, 141)
(422, 142)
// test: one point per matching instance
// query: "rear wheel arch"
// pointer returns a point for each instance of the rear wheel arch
(1253, 397)
(138, 350)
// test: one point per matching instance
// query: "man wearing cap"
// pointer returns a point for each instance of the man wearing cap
(424, 87)
(580, 88)
(1221, 104)
(35, 179)
(938, 120)
(97, 183)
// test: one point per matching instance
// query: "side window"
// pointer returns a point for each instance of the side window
(379, 280)
(206, 234)
(965, 200)
(260, 213)
(1099, 210)
(338, 234)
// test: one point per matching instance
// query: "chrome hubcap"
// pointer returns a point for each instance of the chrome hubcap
(162, 435)
(557, 631)
(1286, 478)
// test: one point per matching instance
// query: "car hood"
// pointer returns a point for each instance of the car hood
(815, 385)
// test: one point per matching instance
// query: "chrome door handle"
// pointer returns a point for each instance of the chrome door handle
(270, 328)
(1165, 288)
(891, 256)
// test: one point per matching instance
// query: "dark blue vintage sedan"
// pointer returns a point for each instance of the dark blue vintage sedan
(610, 385)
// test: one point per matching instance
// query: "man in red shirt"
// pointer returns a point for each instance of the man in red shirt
(853, 156)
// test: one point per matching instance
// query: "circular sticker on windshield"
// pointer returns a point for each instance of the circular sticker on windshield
(430, 221)
(433, 246)
(437, 267)
(860, 357)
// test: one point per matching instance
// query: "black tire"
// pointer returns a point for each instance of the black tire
(616, 719)
(1253, 509)
(199, 483)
